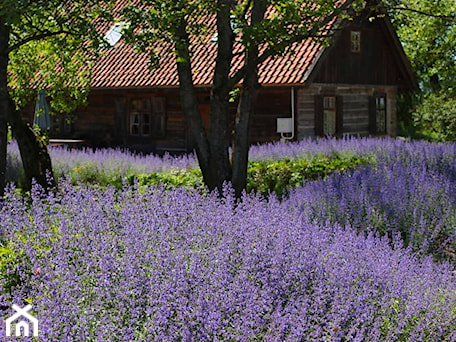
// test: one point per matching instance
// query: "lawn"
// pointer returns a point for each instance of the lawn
(358, 247)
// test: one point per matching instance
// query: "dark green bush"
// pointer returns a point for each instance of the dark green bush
(269, 176)
(174, 178)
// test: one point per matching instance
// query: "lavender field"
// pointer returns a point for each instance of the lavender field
(367, 254)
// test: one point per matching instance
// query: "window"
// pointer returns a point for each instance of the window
(377, 114)
(147, 117)
(115, 33)
(380, 114)
(355, 41)
(329, 115)
(140, 117)
(329, 118)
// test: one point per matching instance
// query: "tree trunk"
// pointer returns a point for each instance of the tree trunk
(190, 104)
(218, 115)
(34, 154)
(242, 134)
(211, 147)
(4, 100)
(245, 108)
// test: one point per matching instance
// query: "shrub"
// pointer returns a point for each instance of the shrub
(189, 178)
(267, 176)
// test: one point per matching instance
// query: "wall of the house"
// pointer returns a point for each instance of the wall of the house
(377, 61)
(354, 108)
(270, 105)
(354, 77)
(105, 120)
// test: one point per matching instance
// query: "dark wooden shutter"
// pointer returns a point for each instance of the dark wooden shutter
(120, 120)
(339, 115)
(386, 114)
(318, 115)
(158, 117)
(372, 115)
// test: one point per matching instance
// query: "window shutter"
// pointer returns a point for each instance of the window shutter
(386, 115)
(120, 119)
(339, 115)
(318, 121)
(372, 115)
(158, 117)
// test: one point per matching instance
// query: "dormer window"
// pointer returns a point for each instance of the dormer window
(355, 41)
(115, 33)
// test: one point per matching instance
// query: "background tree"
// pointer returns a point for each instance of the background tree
(43, 45)
(261, 28)
(436, 114)
(427, 30)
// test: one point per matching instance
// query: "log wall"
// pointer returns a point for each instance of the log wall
(355, 108)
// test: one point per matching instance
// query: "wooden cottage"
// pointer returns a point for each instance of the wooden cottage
(348, 88)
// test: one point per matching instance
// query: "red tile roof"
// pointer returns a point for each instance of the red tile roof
(122, 67)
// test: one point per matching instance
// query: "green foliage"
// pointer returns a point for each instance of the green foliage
(436, 116)
(51, 46)
(89, 173)
(428, 34)
(171, 179)
(288, 22)
(263, 176)
(279, 176)
(10, 259)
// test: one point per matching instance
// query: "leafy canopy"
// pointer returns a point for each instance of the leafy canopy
(52, 44)
(428, 33)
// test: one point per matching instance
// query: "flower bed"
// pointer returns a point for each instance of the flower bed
(341, 259)
(154, 265)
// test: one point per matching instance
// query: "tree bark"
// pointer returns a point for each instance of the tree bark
(211, 147)
(34, 154)
(242, 133)
(190, 104)
(218, 114)
(246, 107)
(4, 100)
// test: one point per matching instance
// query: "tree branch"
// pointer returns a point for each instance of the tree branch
(37, 37)
(439, 16)
(243, 16)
